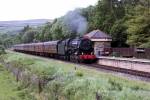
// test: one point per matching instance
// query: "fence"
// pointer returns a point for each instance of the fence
(132, 52)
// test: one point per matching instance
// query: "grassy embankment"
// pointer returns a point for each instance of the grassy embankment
(69, 83)
(10, 89)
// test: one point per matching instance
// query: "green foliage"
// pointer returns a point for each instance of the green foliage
(66, 83)
(10, 89)
(28, 36)
(139, 27)
(7, 40)
(2, 50)
(115, 85)
(127, 21)
(118, 32)
(79, 73)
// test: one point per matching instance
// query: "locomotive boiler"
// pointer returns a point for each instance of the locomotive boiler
(76, 49)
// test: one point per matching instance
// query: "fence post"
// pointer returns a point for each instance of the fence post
(39, 85)
(98, 96)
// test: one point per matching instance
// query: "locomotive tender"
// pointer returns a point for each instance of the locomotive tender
(72, 49)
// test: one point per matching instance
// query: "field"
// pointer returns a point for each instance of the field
(13, 27)
(71, 82)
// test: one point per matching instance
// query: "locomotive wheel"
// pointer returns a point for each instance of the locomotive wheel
(74, 58)
(67, 58)
(79, 61)
(71, 58)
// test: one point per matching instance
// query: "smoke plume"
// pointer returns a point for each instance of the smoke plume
(76, 22)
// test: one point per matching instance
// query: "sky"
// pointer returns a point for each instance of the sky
(39, 9)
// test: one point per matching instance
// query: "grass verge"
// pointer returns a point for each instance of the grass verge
(69, 83)
(10, 89)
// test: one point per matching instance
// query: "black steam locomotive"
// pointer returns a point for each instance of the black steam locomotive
(72, 49)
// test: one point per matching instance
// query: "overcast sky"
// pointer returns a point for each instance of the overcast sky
(38, 9)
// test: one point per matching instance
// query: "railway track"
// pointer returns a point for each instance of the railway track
(122, 70)
(110, 68)
(138, 74)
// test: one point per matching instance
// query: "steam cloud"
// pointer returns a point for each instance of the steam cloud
(76, 22)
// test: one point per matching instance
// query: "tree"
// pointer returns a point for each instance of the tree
(127, 21)
(47, 32)
(28, 36)
(2, 50)
(26, 28)
(118, 33)
(139, 27)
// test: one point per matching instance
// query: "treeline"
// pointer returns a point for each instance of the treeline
(127, 21)
(7, 40)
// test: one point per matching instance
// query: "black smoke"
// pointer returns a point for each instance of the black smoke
(76, 22)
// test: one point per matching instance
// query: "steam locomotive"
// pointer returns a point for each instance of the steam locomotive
(73, 49)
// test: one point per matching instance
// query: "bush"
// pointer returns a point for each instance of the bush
(2, 50)
(115, 85)
(79, 73)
